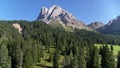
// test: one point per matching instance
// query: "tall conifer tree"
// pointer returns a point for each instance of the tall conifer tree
(107, 58)
(118, 60)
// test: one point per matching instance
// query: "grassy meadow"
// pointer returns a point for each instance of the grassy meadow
(116, 48)
(45, 63)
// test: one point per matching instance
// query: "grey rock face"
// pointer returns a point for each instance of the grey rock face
(113, 27)
(56, 13)
(96, 25)
(43, 13)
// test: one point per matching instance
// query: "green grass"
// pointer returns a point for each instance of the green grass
(116, 48)
(44, 60)
(44, 63)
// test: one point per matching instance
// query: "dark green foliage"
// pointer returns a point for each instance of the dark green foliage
(55, 59)
(5, 59)
(50, 59)
(35, 53)
(67, 50)
(74, 50)
(112, 48)
(118, 62)
(107, 60)
(98, 38)
(74, 62)
(37, 36)
(81, 57)
(95, 58)
(28, 61)
(14, 51)
(67, 61)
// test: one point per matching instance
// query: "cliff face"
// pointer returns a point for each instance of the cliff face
(56, 13)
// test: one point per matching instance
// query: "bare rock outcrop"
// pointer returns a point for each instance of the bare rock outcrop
(17, 26)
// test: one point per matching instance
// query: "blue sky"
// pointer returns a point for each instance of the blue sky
(84, 10)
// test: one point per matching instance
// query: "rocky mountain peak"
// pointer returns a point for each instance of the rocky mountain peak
(113, 21)
(113, 27)
(96, 25)
(56, 13)
(43, 13)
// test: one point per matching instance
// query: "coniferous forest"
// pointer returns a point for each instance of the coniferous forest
(42, 46)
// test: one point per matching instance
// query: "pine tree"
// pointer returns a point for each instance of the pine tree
(66, 61)
(89, 51)
(35, 53)
(87, 58)
(95, 58)
(107, 60)
(81, 57)
(118, 60)
(74, 62)
(112, 48)
(50, 59)
(4, 57)
(55, 59)
(74, 50)
(15, 52)
(28, 61)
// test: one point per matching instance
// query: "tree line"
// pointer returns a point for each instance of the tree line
(25, 50)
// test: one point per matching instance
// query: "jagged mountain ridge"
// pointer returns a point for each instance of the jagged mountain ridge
(65, 19)
(96, 25)
(113, 27)
(56, 13)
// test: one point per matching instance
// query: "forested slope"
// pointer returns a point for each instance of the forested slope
(25, 50)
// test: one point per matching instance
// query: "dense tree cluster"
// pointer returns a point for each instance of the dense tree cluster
(25, 50)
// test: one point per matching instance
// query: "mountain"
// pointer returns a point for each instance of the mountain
(113, 27)
(57, 14)
(96, 25)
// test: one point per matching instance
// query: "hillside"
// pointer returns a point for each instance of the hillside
(41, 45)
